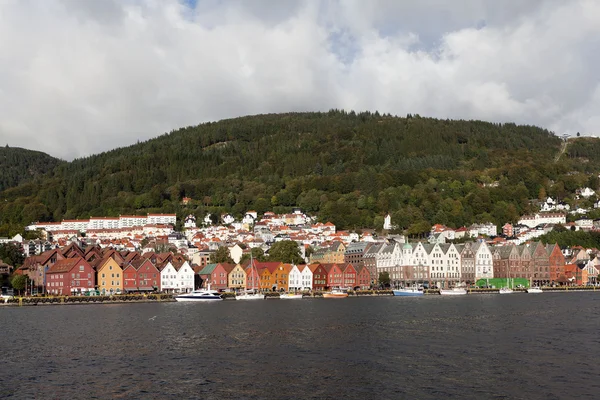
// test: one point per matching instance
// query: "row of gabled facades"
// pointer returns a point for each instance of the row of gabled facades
(447, 264)
(73, 270)
(278, 276)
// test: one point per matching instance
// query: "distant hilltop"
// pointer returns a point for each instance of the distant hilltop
(349, 168)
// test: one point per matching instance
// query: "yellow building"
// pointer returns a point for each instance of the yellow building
(335, 254)
(110, 277)
(237, 278)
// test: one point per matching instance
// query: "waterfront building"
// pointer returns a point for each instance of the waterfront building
(70, 276)
(237, 278)
(370, 261)
(320, 276)
(300, 278)
(540, 264)
(350, 276)
(185, 276)
(110, 276)
(363, 278)
(556, 261)
(484, 261)
(335, 275)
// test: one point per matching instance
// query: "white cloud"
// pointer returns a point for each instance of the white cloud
(83, 76)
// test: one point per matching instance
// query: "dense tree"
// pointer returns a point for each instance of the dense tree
(19, 282)
(11, 254)
(286, 251)
(222, 255)
(384, 279)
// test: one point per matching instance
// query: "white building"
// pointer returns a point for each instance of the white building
(542, 218)
(387, 222)
(190, 221)
(165, 219)
(484, 261)
(185, 278)
(168, 278)
(227, 219)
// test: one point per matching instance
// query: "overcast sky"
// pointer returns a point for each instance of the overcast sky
(78, 77)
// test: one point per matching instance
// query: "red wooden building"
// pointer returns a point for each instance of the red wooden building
(141, 275)
(319, 282)
(70, 276)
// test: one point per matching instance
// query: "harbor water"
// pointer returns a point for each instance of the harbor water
(520, 346)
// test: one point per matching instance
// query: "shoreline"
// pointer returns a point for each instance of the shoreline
(25, 301)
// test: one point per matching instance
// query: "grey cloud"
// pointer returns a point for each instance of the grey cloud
(80, 77)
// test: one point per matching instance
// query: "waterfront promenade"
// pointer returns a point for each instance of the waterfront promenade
(157, 298)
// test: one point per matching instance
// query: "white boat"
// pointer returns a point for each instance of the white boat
(456, 291)
(505, 290)
(290, 296)
(410, 291)
(535, 289)
(335, 294)
(250, 296)
(200, 295)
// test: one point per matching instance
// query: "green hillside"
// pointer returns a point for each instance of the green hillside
(350, 168)
(19, 166)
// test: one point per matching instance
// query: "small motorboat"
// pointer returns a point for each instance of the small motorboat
(290, 296)
(455, 291)
(335, 294)
(535, 289)
(410, 291)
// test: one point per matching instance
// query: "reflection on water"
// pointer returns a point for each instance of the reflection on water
(477, 347)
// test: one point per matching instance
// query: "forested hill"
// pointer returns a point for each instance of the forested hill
(20, 165)
(350, 168)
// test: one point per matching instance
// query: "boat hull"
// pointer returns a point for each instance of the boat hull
(251, 297)
(534, 290)
(335, 295)
(290, 296)
(197, 299)
(408, 293)
(453, 292)
(506, 291)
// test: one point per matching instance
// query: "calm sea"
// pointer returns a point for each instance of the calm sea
(518, 346)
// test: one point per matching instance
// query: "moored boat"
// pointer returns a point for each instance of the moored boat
(249, 296)
(534, 289)
(411, 291)
(456, 291)
(290, 296)
(335, 294)
(200, 295)
(505, 290)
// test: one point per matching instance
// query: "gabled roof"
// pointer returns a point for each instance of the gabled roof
(64, 265)
(208, 269)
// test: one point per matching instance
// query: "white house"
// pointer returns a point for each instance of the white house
(586, 192)
(300, 278)
(248, 219)
(207, 219)
(484, 261)
(185, 277)
(227, 219)
(168, 278)
(190, 221)
(236, 252)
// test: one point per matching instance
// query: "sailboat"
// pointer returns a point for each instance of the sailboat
(506, 289)
(252, 294)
